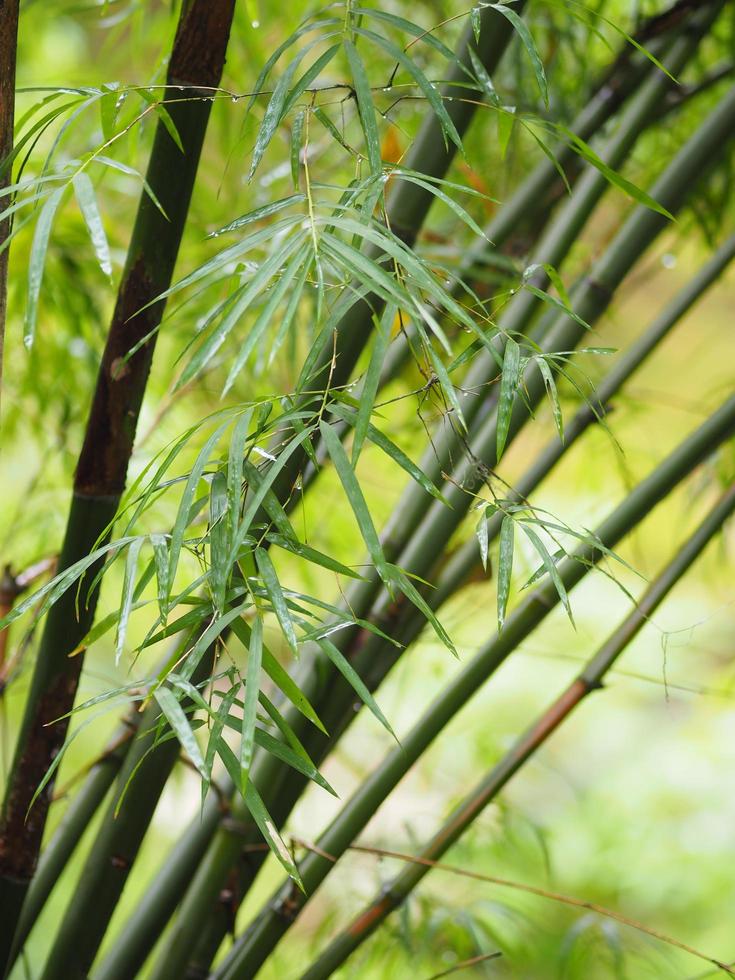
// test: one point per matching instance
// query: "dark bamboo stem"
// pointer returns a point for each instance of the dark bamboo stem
(197, 59)
(589, 680)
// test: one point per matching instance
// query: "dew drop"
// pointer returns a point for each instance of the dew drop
(255, 24)
(668, 261)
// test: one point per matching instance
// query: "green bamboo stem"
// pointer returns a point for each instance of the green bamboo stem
(8, 50)
(142, 778)
(526, 617)
(590, 301)
(84, 805)
(196, 60)
(590, 679)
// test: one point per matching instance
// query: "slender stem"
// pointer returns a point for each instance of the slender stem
(8, 49)
(197, 59)
(589, 680)
(249, 952)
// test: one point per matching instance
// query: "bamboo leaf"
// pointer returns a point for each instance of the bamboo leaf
(37, 262)
(529, 44)
(280, 677)
(481, 534)
(508, 385)
(372, 379)
(278, 600)
(179, 723)
(365, 106)
(87, 202)
(433, 97)
(393, 574)
(353, 492)
(131, 564)
(353, 679)
(250, 704)
(218, 540)
(550, 566)
(505, 565)
(553, 394)
(297, 142)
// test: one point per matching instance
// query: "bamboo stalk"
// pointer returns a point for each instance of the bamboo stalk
(196, 60)
(356, 813)
(8, 50)
(590, 301)
(590, 679)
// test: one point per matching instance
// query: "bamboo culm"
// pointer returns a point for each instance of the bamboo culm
(589, 680)
(197, 59)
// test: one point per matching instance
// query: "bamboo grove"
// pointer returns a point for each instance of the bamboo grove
(333, 268)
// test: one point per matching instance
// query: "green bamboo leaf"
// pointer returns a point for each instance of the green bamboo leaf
(290, 736)
(481, 534)
(430, 91)
(250, 704)
(110, 105)
(529, 44)
(273, 115)
(505, 565)
(297, 142)
(353, 492)
(312, 555)
(553, 394)
(379, 439)
(280, 677)
(215, 733)
(433, 189)
(163, 114)
(426, 37)
(365, 106)
(277, 598)
(235, 469)
(259, 813)
(187, 499)
(236, 306)
(553, 301)
(508, 385)
(353, 679)
(481, 74)
(372, 379)
(505, 118)
(396, 576)
(179, 723)
(308, 77)
(550, 566)
(632, 191)
(256, 499)
(259, 214)
(333, 131)
(218, 540)
(37, 262)
(87, 202)
(131, 564)
(160, 556)
(266, 315)
(210, 635)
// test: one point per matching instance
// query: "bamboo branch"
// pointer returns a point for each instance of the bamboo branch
(589, 680)
(197, 58)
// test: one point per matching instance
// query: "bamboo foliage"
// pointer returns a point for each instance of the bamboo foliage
(340, 279)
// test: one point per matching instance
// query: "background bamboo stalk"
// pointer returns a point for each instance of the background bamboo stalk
(590, 301)
(590, 679)
(197, 59)
(529, 614)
